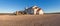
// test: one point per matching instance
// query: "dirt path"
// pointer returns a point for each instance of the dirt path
(30, 20)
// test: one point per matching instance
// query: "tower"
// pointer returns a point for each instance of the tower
(37, 10)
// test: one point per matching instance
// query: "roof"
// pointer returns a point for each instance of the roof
(32, 7)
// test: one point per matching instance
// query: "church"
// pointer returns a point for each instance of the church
(34, 10)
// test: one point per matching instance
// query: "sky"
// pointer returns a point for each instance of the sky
(10, 6)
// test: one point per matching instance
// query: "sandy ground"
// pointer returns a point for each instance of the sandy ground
(30, 20)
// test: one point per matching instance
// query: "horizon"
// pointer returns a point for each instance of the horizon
(10, 6)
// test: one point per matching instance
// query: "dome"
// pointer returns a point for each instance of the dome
(34, 6)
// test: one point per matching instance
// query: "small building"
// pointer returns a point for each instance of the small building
(34, 10)
(20, 13)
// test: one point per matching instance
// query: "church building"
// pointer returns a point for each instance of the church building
(34, 10)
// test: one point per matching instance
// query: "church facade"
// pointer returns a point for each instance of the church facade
(34, 10)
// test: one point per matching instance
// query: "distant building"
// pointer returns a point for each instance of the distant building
(20, 12)
(34, 10)
(31, 10)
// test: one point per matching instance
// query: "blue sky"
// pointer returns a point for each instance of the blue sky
(48, 6)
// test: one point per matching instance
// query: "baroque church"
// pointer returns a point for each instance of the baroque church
(34, 10)
(31, 10)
